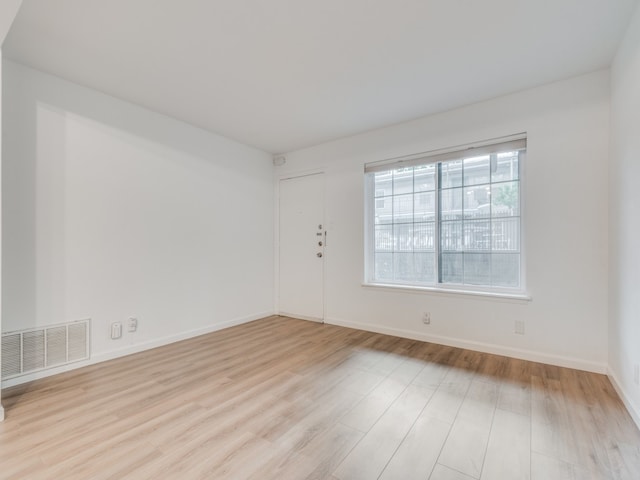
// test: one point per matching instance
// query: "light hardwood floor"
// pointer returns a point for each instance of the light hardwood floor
(287, 399)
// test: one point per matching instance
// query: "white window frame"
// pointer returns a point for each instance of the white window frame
(513, 142)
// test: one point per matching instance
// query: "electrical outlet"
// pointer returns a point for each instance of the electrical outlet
(636, 374)
(426, 318)
(519, 328)
(132, 324)
(116, 330)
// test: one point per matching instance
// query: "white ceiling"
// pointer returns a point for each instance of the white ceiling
(285, 74)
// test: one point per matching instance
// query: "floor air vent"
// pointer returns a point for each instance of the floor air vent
(28, 351)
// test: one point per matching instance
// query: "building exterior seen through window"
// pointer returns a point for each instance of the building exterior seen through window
(455, 222)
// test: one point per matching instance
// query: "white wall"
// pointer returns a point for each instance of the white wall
(566, 227)
(111, 211)
(624, 197)
(8, 11)
(1, 408)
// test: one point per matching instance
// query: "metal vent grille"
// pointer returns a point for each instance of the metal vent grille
(11, 354)
(35, 349)
(77, 334)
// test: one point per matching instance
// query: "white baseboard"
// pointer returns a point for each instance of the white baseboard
(131, 349)
(1, 412)
(626, 399)
(530, 355)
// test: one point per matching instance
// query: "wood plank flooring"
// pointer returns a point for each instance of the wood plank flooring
(287, 399)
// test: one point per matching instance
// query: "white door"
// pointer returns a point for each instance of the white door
(302, 247)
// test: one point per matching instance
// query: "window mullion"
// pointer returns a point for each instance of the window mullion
(393, 226)
(437, 217)
(462, 223)
(413, 222)
(492, 158)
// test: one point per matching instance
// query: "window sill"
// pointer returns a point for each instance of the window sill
(512, 297)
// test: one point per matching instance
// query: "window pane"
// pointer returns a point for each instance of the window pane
(451, 204)
(477, 235)
(476, 170)
(403, 208)
(403, 237)
(383, 210)
(402, 181)
(451, 174)
(506, 269)
(451, 236)
(425, 178)
(424, 236)
(506, 234)
(477, 202)
(403, 267)
(424, 206)
(505, 198)
(384, 238)
(425, 267)
(504, 167)
(452, 268)
(383, 268)
(477, 269)
(382, 184)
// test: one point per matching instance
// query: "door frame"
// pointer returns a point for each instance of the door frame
(276, 239)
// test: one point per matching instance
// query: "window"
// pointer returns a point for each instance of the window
(448, 219)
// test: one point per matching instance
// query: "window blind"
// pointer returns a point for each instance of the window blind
(511, 143)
